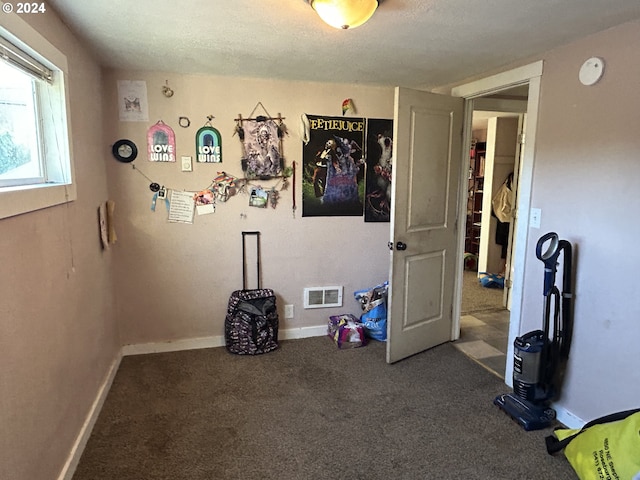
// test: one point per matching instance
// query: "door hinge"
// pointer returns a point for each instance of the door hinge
(521, 139)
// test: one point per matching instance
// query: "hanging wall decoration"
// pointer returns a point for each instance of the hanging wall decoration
(258, 197)
(205, 201)
(124, 150)
(208, 144)
(182, 207)
(161, 143)
(225, 186)
(333, 177)
(133, 105)
(265, 144)
(159, 193)
(261, 139)
(348, 106)
(377, 207)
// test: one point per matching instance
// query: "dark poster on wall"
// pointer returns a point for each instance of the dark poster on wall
(333, 173)
(379, 147)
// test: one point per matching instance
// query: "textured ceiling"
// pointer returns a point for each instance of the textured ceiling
(411, 43)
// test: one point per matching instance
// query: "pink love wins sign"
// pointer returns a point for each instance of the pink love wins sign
(161, 143)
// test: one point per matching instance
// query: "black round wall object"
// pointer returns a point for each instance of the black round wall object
(124, 151)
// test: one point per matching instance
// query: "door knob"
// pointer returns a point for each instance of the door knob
(401, 246)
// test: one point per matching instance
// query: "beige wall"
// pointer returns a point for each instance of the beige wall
(174, 280)
(586, 181)
(501, 152)
(58, 336)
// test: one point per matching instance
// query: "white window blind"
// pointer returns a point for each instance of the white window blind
(17, 57)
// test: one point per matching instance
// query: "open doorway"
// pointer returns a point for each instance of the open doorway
(441, 117)
(492, 190)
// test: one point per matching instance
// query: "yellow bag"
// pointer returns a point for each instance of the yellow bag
(605, 448)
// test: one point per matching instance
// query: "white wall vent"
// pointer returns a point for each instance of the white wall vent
(322, 297)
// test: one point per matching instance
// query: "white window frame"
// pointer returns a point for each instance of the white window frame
(58, 160)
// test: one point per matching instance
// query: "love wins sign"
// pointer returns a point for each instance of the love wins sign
(161, 143)
(208, 145)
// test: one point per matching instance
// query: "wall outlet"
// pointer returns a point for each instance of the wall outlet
(288, 311)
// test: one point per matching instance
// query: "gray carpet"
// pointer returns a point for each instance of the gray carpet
(476, 298)
(310, 411)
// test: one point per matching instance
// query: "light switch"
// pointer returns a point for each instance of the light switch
(534, 218)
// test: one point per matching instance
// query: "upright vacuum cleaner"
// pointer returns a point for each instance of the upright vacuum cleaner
(538, 357)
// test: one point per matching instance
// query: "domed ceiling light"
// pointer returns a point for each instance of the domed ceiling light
(344, 14)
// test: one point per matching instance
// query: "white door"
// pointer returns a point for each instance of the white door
(426, 174)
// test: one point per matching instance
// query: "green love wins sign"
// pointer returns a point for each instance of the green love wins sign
(208, 145)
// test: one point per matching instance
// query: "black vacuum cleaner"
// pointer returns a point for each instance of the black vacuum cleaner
(540, 355)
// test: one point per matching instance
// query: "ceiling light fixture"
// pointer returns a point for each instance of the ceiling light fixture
(344, 14)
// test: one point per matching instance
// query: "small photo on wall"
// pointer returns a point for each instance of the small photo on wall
(204, 197)
(258, 198)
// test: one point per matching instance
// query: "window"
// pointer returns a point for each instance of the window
(36, 168)
(20, 159)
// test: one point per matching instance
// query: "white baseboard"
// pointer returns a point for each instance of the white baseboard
(214, 341)
(173, 346)
(562, 414)
(73, 458)
(71, 464)
(302, 332)
(567, 418)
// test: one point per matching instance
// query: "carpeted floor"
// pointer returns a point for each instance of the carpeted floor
(310, 411)
(476, 298)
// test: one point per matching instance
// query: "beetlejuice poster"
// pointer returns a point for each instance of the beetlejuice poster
(379, 148)
(333, 173)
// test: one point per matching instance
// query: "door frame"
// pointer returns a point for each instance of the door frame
(515, 195)
(527, 74)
